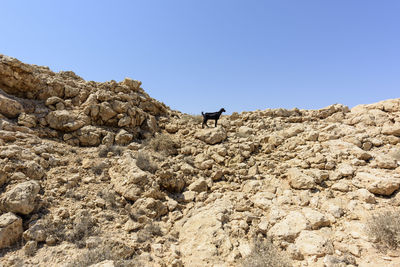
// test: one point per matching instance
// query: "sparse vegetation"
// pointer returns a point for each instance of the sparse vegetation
(145, 163)
(164, 144)
(104, 150)
(384, 227)
(196, 119)
(148, 232)
(265, 254)
(106, 252)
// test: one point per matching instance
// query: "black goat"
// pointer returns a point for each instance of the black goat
(211, 116)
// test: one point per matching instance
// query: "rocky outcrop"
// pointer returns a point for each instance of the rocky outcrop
(66, 103)
(89, 189)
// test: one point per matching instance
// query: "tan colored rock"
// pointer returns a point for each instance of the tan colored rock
(65, 120)
(290, 227)
(106, 263)
(199, 185)
(311, 243)
(171, 182)
(9, 107)
(89, 136)
(201, 236)
(364, 195)
(123, 137)
(188, 196)
(299, 180)
(10, 229)
(391, 129)
(128, 179)
(263, 200)
(315, 218)
(151, 207)
(21, 198)
(36, 232)
(385, 162)
(3, 177)
(106, 111)
(377, 184)
(34, 170)
(171, 128)
(27, 120)
(211, 136)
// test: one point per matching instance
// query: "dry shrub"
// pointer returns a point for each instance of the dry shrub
(104, 150)
(148, 232)
(196, 119)
(265, 254)
(106, 252)
(384, 227)
(109, 196)
(164, 144)
(144, 162)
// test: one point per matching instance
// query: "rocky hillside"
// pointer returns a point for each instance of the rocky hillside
(101, 174)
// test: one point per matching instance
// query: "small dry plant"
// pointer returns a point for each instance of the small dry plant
(144, 162)
(164, 144)
(148, 232)
(384, 227)
(104, 150)
(265, 254)
(196, 119)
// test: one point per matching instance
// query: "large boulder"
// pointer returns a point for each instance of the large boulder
(202, 238)
(212, 136)
(89, 136)
(65, 120)
(9, 107)
(21, 198)
(10, 229)
(377, 183)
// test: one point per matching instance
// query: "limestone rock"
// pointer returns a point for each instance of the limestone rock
(385, 162)
(89, 136)
(299, 180)
(9, 107)
(377, 184)
(151, 207)
(171, 182)
(128, 179)
(290, 227)
(123, 137)
(34, 170)
(202, 234)
(27, 120)
(36, 232)
(211, 136)
(21, 198)
(391, 129)
(200, 185)
(65, 120)
(315, 218)
(106, 263)
(311, 243)
(10, 229)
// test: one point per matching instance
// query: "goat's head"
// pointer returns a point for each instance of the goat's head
(222, 110)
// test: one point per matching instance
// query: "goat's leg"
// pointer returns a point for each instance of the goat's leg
(204, 122)
(216, 120)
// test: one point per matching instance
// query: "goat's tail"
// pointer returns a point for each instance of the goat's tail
(202, 113)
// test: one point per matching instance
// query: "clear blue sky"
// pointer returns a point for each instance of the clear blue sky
(200, 55)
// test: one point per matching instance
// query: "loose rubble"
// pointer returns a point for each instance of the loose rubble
(101, 174)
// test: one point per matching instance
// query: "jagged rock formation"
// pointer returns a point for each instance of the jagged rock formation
(100, 173)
